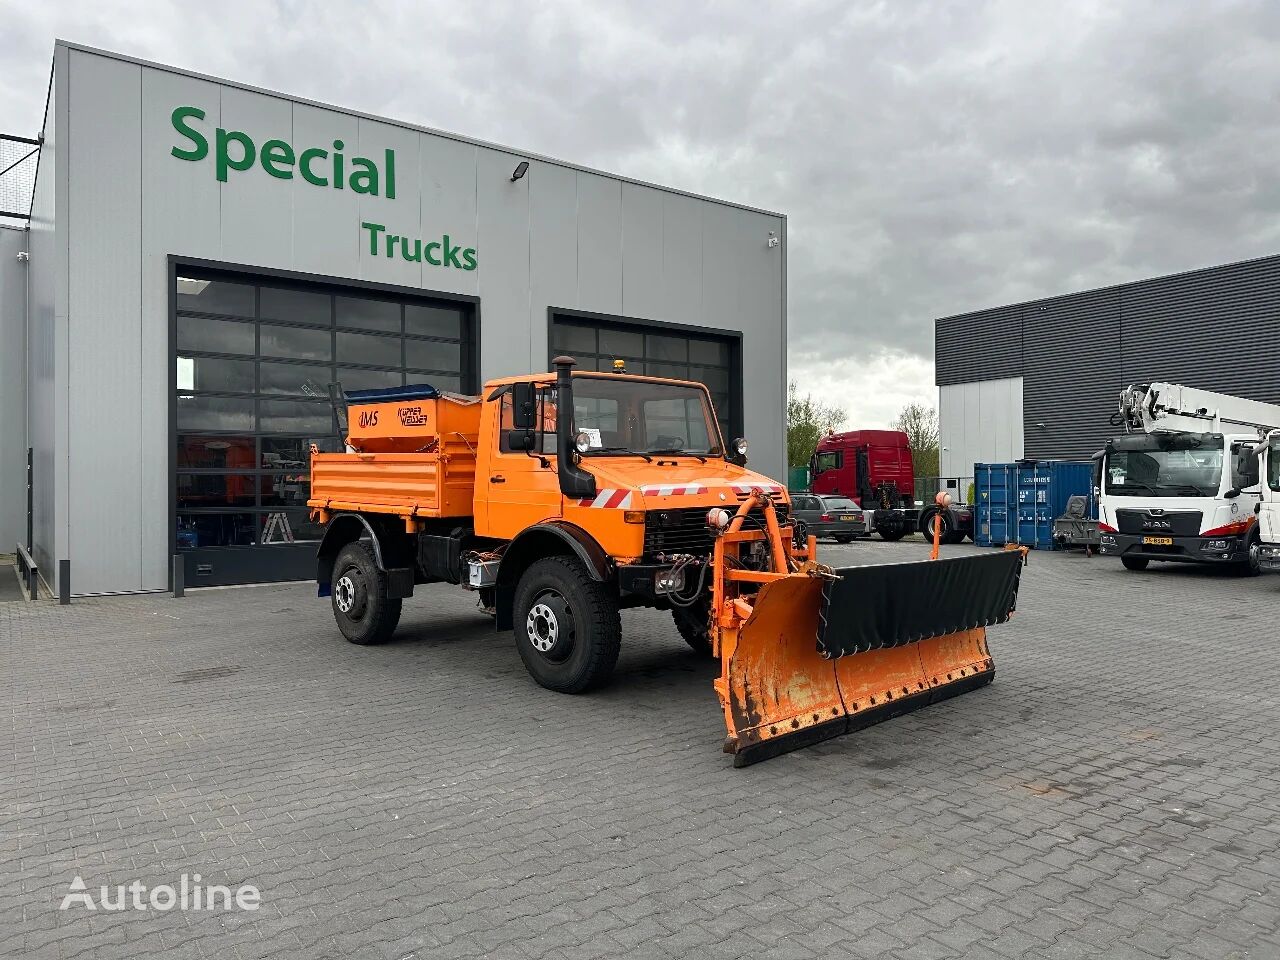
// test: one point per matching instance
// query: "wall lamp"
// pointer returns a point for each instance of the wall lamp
(521, 169)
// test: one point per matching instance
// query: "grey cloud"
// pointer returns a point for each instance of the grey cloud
(932, 158)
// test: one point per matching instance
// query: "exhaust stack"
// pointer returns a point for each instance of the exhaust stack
(575, 482)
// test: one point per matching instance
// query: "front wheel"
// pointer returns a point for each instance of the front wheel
(361, 607)
(1135, 563)
(843, 538)
(1251, 567)
(694, 624)
(892, 534)
(567, 626)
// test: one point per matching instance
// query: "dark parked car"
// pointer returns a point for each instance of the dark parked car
(829, 516)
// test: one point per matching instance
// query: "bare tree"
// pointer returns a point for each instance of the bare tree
(920, 424)
(807, 421)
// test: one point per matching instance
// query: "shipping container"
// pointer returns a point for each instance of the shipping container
(1018, 502)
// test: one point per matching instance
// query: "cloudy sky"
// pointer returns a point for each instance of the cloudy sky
(932, 157)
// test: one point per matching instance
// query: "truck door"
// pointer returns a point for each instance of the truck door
(519, 490)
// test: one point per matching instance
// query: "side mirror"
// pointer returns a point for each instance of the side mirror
(1231, 494)
(520, 440)
(523, 409)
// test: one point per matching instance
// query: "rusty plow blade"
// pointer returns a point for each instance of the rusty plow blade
(819, 657)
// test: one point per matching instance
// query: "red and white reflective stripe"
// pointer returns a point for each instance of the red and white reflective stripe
(608, 499)
(667, 490)
(745, 488)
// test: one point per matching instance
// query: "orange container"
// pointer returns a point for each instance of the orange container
(414, 454)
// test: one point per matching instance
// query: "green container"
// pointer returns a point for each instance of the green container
(798, 478)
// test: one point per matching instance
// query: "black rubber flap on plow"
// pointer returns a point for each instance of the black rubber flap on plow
(888, 605)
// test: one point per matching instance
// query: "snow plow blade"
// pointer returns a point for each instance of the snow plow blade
(814, 656)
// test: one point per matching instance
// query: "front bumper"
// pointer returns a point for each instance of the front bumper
(1233, 549)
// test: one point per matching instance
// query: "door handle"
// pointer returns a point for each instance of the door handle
(497, 479)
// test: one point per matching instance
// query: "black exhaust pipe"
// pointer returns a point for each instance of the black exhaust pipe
(575, 482)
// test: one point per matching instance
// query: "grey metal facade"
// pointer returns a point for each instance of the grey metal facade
(121, 191)
(1209, 328)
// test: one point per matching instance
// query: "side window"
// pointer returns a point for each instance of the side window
(829, 461)
(546, 440)
(1244, 469)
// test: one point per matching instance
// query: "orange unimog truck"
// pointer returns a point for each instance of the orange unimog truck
(562, 499)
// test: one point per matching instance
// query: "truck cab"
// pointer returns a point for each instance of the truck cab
(875, 469)
(1181, 497)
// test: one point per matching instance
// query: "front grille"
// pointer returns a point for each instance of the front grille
(684, 530)
(1173, 523)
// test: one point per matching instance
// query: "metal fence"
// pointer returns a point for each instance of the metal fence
(960, 488)
(17, 175)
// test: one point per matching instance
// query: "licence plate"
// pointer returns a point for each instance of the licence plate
(848, 519)
(1158, 541)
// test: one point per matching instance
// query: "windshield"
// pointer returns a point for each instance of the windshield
(1164, 473)
(620, 415)
(1273, 465)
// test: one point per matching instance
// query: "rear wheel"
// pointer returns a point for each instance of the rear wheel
(892, 534)
(1135, 563)
(843, 538)
(567, 627)
(933, 520)
(359, 597)
(694, 624)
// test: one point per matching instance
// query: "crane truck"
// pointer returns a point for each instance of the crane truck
(561, 499)
(1184, 482)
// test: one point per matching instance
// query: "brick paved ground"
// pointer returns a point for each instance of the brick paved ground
(1114, 793)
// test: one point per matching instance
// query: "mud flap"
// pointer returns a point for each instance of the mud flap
(820, 658)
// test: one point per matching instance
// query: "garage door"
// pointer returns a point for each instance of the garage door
(253, 360)
(657, 350)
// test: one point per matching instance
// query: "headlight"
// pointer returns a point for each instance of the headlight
(741, 446)
(718, 518)
(582, 442)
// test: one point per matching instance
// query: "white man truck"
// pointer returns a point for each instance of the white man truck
(1185, 482)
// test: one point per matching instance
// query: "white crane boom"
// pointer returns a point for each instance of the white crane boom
(1174, 408)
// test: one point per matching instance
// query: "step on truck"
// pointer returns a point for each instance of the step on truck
(875, 469)
(562, 499)
(1184, 483)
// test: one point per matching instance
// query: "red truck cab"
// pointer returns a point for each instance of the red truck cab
(855, 463)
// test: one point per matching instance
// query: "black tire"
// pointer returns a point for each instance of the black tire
(1253, 566)
(892, 535)
(1135, 563)
(799, 532)
(360, 605)
(694, 624)
(567, 626)
(948, 528)
(843, 538)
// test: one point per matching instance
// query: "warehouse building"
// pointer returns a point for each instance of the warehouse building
(1041, 379)
(203, 258)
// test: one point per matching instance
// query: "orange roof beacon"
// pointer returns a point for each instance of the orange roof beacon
(562, 498)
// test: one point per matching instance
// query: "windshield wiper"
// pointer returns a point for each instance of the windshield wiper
(1128, 483)
(673, 452)
(634, 453)
(1200, 492)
